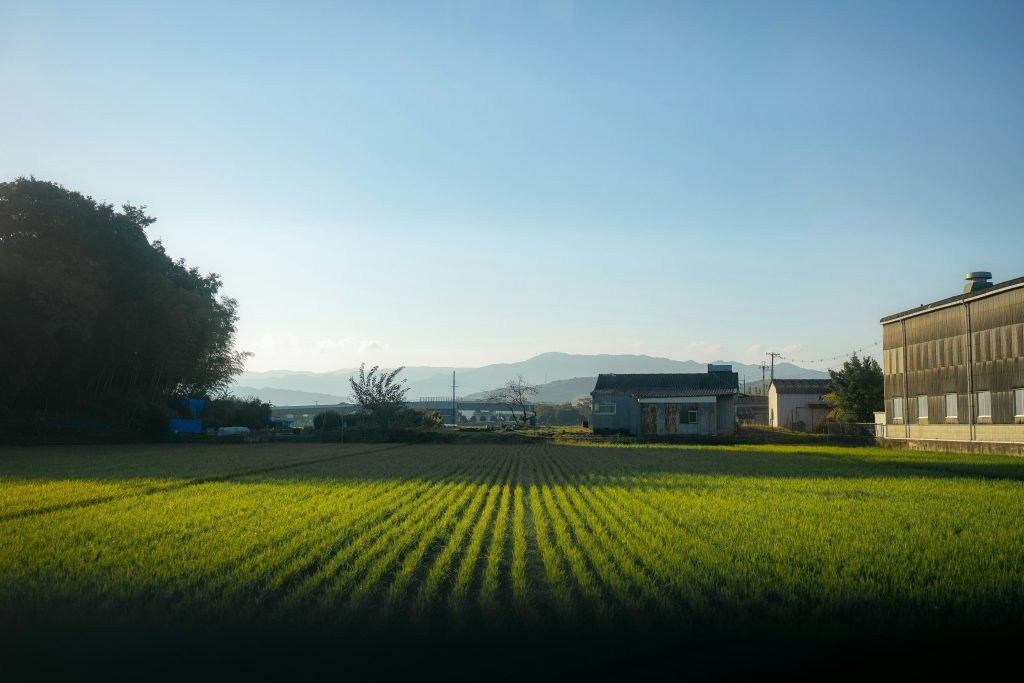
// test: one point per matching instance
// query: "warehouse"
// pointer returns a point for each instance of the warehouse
(954, 369)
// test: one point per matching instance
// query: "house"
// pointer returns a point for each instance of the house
(695, 404)
(752, 409)
(954, 369)
(798, 404)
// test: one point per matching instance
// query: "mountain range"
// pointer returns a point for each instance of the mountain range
(559, 376)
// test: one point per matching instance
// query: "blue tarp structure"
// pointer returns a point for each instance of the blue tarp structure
(186, 426)
(190, 406)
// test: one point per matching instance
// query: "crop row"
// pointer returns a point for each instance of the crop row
(527, 535)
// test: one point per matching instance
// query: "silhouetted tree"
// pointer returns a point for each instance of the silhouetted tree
(97, 320)
(378, 393)
(328, 420)
(230, 411)
(857, 390)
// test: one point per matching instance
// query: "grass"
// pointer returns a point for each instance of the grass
(574, 556)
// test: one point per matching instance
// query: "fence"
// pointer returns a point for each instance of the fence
(864, 429)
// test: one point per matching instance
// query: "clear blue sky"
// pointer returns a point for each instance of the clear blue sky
(470, 182)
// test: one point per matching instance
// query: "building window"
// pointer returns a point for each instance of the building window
(897, 408)
(922, 407)
(687, 417)
(951, 405)
(985, 404)
(1018, 402)
(604, 409)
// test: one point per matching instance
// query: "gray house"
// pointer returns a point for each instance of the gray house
(697, 404)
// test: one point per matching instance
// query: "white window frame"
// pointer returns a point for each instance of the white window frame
(684, 417)
(897, 408)
(602, 409)
(955, 404)
(987, 402)
(1018, 402)
(922, 400)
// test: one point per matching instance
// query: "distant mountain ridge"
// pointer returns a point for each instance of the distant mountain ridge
(565, 372)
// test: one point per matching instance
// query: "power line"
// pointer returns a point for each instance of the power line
(774, 355)
(841, 356)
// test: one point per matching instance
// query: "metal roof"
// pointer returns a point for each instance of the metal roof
(669, 384)
(959, 298)
(801, 386)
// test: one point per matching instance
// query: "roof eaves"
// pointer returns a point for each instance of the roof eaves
(959, 298)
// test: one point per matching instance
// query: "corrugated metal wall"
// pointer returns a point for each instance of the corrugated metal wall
(937, 362)
(936, 358)
(892, 365)
(997, 324)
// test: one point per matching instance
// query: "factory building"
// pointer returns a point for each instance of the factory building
(954, 369)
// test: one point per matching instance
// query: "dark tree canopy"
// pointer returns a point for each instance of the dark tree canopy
(329, 420)
(857, 390)
(96, 319)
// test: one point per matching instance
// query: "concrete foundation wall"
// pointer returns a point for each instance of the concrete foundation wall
(952, 432)
(957, 432)
(1014, 432)
(971, 447)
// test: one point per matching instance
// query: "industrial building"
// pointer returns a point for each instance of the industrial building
(694, 404)
(954, 369)
(798, 404)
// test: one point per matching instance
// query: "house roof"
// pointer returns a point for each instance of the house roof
(669, 384)
(959, 298)
(801, 386)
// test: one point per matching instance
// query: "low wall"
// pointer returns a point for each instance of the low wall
(939, 446)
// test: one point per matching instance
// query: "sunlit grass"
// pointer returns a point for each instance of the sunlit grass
(748, 538)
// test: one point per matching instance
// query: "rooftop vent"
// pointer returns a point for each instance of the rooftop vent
(977, 280)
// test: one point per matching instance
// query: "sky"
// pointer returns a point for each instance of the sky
(470, 182)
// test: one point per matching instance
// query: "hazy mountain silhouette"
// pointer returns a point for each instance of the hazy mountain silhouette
(572, 370)
(288, 397)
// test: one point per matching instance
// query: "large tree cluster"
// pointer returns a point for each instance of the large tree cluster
(857, 390)
(97, 320)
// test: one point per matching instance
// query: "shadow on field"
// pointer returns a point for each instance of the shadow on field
(304, 653)
(287, 463)
(164, 471)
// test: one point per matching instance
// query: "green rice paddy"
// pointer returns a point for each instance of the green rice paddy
(679, 549)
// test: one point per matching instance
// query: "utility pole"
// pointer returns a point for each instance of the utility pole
(773, 354)
(764, 367)
(455, 408)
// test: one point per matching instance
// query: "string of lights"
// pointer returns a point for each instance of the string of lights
(843, 356)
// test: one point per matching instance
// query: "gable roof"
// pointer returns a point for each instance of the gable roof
(801, 386)
(669, 384)
(959, 298)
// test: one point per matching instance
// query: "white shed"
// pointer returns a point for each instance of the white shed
(798, 404)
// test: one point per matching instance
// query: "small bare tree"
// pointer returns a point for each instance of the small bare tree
(515, 395)
(585, 406)
(379, 393)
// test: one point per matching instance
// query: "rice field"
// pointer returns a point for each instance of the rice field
(596, 556)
